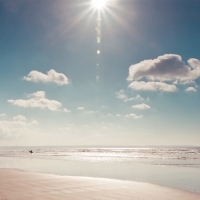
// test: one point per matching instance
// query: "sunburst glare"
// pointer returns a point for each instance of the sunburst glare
(99, 4)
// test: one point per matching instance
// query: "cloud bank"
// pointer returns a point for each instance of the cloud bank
(51, 76)
(16, 127)
(13, 132)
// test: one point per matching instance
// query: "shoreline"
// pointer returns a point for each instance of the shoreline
(18, 184)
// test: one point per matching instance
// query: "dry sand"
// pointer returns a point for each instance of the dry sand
(19, 185)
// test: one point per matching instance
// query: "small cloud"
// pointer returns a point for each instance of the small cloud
(37, 95)
(38, 100)
(19, 118)
(80, 108)
(65, 110)
(130, 99)
(138, 97)
(134, 116)
(34, 122)
(121, 95)
(109, 115)
(191, 89)
(2, 115)
(51, 76)
(142, 106)
(118, 115)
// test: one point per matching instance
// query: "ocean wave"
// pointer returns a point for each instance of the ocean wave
(187, 157)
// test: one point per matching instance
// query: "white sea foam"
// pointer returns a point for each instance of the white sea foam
(183, 157)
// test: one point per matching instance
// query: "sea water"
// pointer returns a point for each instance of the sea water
(172, 167)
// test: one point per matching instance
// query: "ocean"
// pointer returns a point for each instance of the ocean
(180, 157)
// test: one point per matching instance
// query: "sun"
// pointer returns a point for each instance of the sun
(99, 4)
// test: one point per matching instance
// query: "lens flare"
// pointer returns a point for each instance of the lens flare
(98, 4)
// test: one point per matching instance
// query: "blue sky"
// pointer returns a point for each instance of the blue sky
(144, 90)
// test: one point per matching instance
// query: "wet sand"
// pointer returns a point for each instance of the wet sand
(20, 185)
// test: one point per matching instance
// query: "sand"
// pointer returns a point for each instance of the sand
(20, 185)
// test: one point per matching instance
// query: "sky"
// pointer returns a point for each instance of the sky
(126, 74)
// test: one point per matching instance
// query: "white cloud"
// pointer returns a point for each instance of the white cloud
(130, 99)
(134, 116)
(38, 101)
(118, 115)
(121, 95)
(142, 106)
(191, 89)
(80, 108)
(65, 110)
(34, 122)
(134, 98)
(2, 115)
(168, 67)
(51, 76)
(153, 86)
(176, 82)
(37, 95)
(19, 118)
(20, 123)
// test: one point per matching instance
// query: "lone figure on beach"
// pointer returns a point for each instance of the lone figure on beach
(30, 151)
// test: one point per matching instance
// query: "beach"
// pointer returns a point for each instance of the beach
(23, 185)
(91, 173)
